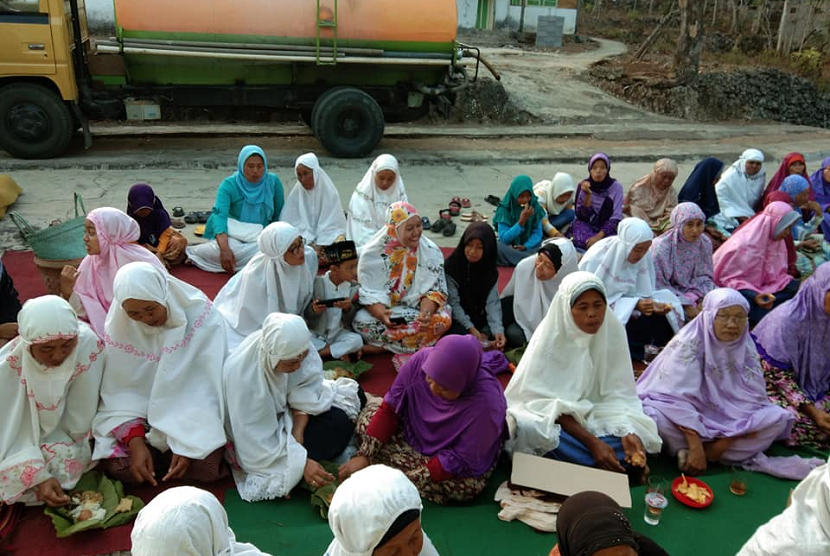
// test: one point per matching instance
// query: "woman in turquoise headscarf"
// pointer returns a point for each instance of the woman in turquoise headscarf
(246, 202)
(518, 220)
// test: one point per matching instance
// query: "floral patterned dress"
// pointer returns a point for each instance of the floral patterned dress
(399, 277)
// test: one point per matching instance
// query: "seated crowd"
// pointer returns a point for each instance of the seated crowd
(135, 371)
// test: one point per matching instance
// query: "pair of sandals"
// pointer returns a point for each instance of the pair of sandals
(197, 217)
(457, 203)
(177, 218)
(444, 226)
(473, 216)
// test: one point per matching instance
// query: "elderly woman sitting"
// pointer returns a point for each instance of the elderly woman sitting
(652, 197)
(402, 286)
(441, 422)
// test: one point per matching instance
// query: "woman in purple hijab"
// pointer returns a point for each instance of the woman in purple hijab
(599, 204)
(706, 392)
(794, 344)
(157, 234)
(820, 180)
(442, 422)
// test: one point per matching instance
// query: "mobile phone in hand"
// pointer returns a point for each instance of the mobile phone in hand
(331, 302)
(397, 321)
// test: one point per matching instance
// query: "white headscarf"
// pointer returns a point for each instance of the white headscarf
(316, 213)
(548, 190)
(186, 521)
(627, 283)
(169, 375)
(366, 505)
(46, 412)
(374, 267)
(267, 284)
(568, 372)
(260, 400)
(803, 528)
(737, 192)
(534, 296)
(368, 205)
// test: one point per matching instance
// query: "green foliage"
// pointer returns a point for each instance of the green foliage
(807, 62)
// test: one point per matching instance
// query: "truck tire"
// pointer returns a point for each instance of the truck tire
(347, 122)
(34, 121)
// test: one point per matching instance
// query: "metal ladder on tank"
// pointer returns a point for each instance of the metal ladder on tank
(324, 59)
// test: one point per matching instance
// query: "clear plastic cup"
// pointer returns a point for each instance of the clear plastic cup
(656, 502)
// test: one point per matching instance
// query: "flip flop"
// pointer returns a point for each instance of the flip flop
(438, 225)
(178, 212)
(455, 207)
(203, 216)
(192, 218)
(449, 229)
(426, 223)
(466, 217)
(465, 203)
(199, 230)
(177, 223)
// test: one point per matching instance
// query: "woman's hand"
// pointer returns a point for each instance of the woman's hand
(765, 300)
(50, 492)
(604, 456)
(226, 257)
(178, 468)
(645, 306)
(585, 186)
(819, 417)
(352, 466)
(713, 231)
(499, 341)
(635, 452)
(380, 312)
(812, 245)
(141, 462)
(317, 307)
(428, 308)
(593, 239)
(69, 275)
(696, 458)
(527, 212)
(315, 475)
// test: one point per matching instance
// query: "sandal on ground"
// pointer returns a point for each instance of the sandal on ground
(449, 229)
(478, 217)
(177, 222)
(466, 217)
(192, 218)
(203, 216)
(426, 223)
(439, 225)
(199, 230)
(493, 200)
(465, 203)
(455, 207)
(178, 212)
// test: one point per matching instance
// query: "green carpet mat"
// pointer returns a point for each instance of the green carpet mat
(291, 526)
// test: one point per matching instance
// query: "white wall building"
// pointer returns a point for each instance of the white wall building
(506, 14)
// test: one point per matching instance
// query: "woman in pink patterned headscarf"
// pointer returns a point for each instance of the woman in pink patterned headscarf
(110, 238)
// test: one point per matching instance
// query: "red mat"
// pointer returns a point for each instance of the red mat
(35, 536)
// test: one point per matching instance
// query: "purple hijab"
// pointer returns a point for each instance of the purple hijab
(609, 188)
(154, 224)
(684, 268)
(821, 189)
(796, 335)
(713, 387)
(466, 434)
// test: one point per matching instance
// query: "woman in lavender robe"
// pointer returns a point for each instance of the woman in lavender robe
(442, 422)
(599, 203)
(794, 343)
(706, 393)
(820, 182)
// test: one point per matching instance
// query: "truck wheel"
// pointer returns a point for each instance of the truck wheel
(34, 121)
(347, 122)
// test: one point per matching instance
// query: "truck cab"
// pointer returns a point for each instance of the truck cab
(39, 94)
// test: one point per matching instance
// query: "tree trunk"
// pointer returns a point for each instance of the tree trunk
(522, 17)
(690, 41)
(759, 17)
(715, 14)
(655, 33)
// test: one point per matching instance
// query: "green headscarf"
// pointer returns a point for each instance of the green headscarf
(509, 209)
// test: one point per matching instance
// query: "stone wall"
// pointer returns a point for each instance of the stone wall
(755, 94)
